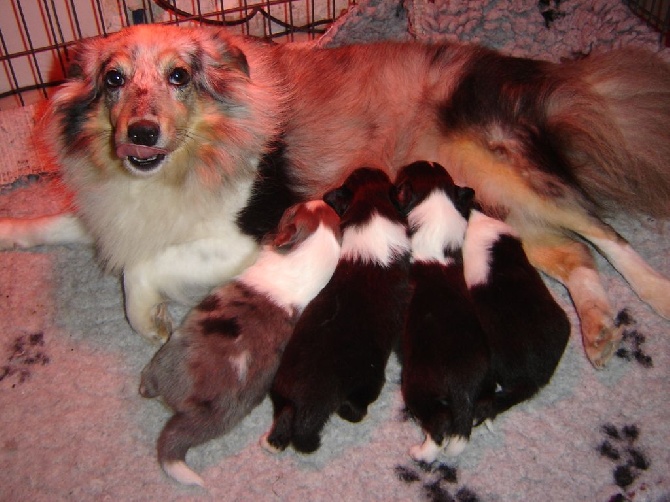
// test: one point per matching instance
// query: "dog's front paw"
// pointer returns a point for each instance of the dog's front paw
(146, 310)
(162, 322)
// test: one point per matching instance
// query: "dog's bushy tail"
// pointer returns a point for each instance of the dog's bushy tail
(611, 117)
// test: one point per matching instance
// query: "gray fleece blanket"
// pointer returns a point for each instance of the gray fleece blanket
(73, 426)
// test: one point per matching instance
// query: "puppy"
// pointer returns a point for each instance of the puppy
(336, 359)
(526, 329)
(445, 357)
(220, 363)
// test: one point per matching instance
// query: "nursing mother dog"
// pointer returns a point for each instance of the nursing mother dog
(183, 146)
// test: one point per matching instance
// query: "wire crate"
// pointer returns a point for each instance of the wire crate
(656, 13)
(36, 35)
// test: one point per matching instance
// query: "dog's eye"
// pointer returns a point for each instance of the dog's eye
(179, 76)
(114, 79)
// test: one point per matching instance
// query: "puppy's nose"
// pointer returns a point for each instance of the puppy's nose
(144, 132)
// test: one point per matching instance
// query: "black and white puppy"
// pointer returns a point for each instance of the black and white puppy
(336, 359)
(218, 366)
(445, 357)
(526, 329)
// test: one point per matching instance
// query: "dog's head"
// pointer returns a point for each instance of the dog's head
(366, 191)
(138, 97)
(301, 220)
(418, 180)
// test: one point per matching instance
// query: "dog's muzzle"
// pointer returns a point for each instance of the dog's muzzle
(141, 152)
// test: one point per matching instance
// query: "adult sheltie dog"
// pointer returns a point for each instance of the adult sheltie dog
(182, 146)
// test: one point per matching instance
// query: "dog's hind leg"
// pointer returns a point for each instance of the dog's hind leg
(63, 228)
(649, 285)
(571, 263)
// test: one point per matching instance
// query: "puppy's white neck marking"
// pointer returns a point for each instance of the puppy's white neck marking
(439, 227)
(482, 232)
(379, 241)
(292, 279)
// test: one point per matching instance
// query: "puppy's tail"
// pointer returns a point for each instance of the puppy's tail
(611, 117)
(180, 433)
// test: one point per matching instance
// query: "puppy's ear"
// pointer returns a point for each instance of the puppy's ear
(465, 200)
(405, 196)
(292, 235)
(339, 199)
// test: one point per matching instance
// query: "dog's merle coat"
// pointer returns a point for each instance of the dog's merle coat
(220, 363)
(445, 356)
(336, 359)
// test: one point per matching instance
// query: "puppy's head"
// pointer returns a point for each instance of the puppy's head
(138, 97)
(418, 180)
(301, 220)
(365, 192)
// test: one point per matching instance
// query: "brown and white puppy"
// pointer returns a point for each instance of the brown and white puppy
(446, 380)
(161, 132)
(219, 364)
(336, 359)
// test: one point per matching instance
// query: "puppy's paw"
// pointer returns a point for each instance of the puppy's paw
(426, 452)
(351, 413)
(265, 443)
(456, 446)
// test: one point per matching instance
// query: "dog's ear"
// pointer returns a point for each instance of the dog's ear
(339, 199)
(219, 65)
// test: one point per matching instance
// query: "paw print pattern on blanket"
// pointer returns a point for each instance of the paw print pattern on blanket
(26, 353)
(619, 446)
(436, 480)
(631, 346)
(550, 10)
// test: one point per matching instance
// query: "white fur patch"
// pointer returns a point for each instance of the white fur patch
(379, 241)
(265, 444)
(482, 232)
(181, 472)
(456, 446)
(240, 363)
(438, 226)
(58, 229)
(426, 452)
(294, 278)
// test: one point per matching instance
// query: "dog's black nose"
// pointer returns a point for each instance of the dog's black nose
(144, 132)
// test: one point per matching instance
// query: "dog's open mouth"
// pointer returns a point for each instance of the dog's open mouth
(143, 158)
